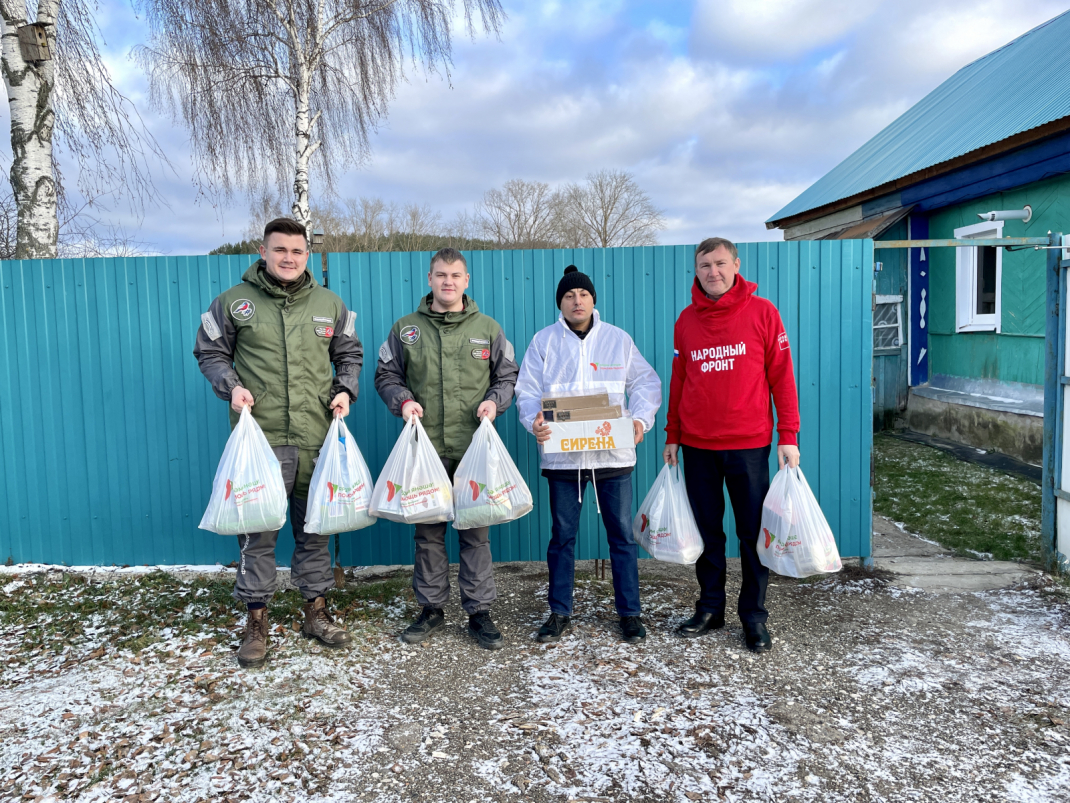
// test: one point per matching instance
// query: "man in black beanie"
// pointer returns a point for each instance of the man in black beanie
(580, 355)
(574, 280)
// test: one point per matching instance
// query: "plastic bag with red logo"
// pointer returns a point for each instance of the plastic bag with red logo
(248, 494)
(665, 526)
(796, 540)
(340, 492)
(487, 486)
(413, 487)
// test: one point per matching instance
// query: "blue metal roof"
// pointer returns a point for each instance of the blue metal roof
(1018, 87)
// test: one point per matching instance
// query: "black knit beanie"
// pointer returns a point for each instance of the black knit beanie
(573, 280)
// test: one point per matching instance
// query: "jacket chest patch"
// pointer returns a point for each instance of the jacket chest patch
(318, 319)
(325, 331)
(243, 309)
(410, 334)
(481, 354)
(478, 341)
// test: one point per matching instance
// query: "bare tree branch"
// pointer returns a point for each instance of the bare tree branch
(608, 210)
(68, 103)
(519, 215)
(276, 93)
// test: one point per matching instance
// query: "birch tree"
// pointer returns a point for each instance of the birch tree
(275, 91)
(67, 102)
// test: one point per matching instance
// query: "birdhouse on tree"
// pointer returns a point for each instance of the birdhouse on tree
(33, 42)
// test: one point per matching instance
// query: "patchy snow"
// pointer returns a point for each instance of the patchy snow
(870, 693)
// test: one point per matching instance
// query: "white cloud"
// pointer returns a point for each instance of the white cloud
(721, 137)
(773, 31)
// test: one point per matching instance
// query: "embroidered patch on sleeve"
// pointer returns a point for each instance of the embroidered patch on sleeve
(350, 329)
(783, 340)
(385, 354)
(211, 328)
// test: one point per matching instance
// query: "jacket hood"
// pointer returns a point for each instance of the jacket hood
(470, 308)
(728, 304)
(257, 275)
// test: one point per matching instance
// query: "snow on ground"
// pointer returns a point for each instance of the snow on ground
(870, 694)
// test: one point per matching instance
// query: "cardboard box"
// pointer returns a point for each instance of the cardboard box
(576, 402)
(590, 436)
(583, 414)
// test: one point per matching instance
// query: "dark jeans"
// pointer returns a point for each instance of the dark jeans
(746, 473)
(615, 499)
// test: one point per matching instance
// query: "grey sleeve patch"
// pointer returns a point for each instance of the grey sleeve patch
(510, 352)
(385, 354)
(350, 329)
(211, 328)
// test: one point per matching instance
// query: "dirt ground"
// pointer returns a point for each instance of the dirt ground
(871, 693)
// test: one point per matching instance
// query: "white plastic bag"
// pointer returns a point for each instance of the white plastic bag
(487, 487)
(248, 494)
(413, 487)
(796, 540)
(665, 526)
(341, 488)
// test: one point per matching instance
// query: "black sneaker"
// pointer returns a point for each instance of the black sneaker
(700, 623)
(485, 631)
(631, 627)
(429, 620)
(554, 628)
(757, 638)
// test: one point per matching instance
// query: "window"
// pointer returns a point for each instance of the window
(887, 325)
(978, 280)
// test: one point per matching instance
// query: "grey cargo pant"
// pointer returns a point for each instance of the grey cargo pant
(430, 576)
(310, 567)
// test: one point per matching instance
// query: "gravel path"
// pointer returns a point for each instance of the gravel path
(871, 693)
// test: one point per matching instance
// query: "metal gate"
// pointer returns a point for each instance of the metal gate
(1055, 528)
(109, 435)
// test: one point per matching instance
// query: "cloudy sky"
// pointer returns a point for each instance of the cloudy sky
(724, 110)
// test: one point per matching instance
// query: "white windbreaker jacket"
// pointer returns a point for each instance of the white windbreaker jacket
(558, 363)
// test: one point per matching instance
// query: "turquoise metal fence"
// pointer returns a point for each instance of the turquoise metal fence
(110, 436)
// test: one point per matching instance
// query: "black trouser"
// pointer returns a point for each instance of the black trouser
(746, 473)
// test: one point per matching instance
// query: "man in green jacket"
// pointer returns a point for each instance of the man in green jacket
(268, 344)
(450, 365)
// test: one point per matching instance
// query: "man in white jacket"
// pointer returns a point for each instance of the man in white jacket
(581, 355)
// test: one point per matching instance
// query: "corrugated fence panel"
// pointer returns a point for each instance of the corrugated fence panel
(110, 435)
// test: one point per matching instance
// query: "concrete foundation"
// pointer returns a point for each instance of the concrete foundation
(1016, 434)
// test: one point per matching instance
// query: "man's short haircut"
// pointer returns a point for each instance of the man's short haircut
(284, 225)
(712, 244)
(449, 256)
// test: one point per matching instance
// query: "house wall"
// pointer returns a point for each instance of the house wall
(1016, 354)
(889, 370)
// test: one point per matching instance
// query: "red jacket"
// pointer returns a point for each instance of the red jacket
(728, 356)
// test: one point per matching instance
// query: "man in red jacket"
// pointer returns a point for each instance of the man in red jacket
(729, 351)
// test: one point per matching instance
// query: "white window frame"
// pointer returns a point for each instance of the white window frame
(967, 319)
(898, 301)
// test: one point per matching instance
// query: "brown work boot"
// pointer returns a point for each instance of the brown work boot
(254, 644)
(319, 624)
